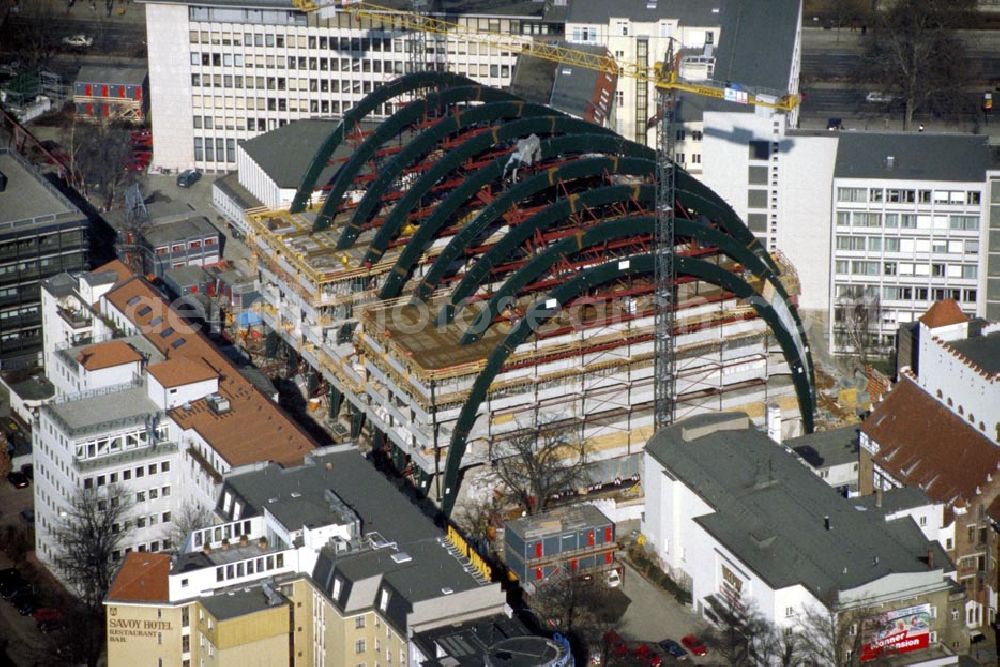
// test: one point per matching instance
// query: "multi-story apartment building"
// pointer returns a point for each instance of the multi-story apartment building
(938, 430)
(864, 215)
(751, 44)
(909, 227)
(743, 522)
(42, 234)
(144, 404)
(228, 71)
(325, 563)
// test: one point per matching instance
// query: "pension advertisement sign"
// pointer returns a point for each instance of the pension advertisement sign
(897, 631)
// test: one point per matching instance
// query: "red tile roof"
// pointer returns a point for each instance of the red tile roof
(143, 577)
(943, 313)
(106, 355)
(180, 371)
(254, 429)
(923, 443)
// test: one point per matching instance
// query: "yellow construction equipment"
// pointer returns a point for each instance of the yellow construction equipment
(663, 78)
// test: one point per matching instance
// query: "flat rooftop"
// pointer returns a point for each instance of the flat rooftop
(28, 195)
(130, 405)
(227, 604)
(822, 449)
(777, 517)
(560, 520)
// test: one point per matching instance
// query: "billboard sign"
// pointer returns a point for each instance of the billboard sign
(897, 631)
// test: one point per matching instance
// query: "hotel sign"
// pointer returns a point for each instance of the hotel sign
(121, 630)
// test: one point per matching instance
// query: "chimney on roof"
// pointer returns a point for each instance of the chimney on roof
(878, 497)
(826, 522)
(890, 162)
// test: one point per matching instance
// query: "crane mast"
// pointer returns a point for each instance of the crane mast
(666, 79)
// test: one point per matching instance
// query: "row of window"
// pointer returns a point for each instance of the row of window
(896, 244)
(126, 475)
(903, 293)
(248, 567)
(903, 196)
(191, 245)
(934, 269)
(960, 223)
(208, 149)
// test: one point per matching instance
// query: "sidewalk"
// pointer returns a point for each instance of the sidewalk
(131, 13)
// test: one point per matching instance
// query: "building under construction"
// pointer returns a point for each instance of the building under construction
(478, 266)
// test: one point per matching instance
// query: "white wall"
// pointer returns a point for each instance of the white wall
(804, 213)
(168, 49)
(168, 398)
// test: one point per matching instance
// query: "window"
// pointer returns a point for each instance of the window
(789, 612)
(154, 494)
(165, 467)
(923, 521)
(140, 497)
(152, 468)
(359, 622)
(359, 647)
(856, 195)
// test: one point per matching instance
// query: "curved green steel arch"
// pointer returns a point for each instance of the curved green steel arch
(532, 185)
(572, 144)
(515, 238)
(602, 274)
(424, 143)
(357, 113)
(392, 126)
(451, 161)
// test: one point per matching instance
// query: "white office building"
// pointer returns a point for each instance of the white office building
(144, 404)
(223, 71)
(740, 520)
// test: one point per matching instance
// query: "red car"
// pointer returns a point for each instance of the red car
(647, 656)
(616, 645)
(694, 645)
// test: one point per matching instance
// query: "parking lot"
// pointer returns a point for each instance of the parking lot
(655, 615)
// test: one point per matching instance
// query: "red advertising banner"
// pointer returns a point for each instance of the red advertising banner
(899, 631)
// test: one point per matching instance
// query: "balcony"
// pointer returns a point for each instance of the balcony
(77, 319)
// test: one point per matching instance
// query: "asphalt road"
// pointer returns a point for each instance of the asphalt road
(110, 37)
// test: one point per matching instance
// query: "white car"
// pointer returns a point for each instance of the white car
(80, 41)
(876, 96)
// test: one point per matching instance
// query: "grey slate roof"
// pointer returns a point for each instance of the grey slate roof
(61, 284)
(468, 644)
(827, 448)
(757, 43)
(380, 507)
(178, 230)
(284, 153)
(895, 500)
(238, 602)
(918, 156)
(983, 351)
(689, 12)
(771, 511)
(129, 76)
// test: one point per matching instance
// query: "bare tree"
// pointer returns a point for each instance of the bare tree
(479, 521)
(92, 530)
(189, 517)
(78, 641)
(535, 465)
(832, 635)
(914, 50)
(583, 609)
(858, 321)
(98, 155)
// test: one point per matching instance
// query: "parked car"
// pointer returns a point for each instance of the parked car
(48, 618)
(187, 178)
(614, 579)
(10, 588)
(616, 645)
(17, 479)
(673, 649)
(647, 656)
(877, 96)
(9, 574)
(78, 41)
(695, 645)
(28, 470)
(24, 601)
(834, 124)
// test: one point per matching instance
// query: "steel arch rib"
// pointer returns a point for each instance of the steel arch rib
(391, 127)
(538, 313)
(515, 238)
(421, 145)
(532, 185)
(357, 113)
(573, 144)
(478, 144)
(632, 226)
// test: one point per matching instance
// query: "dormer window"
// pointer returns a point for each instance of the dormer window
(338, 585)
(383, 602)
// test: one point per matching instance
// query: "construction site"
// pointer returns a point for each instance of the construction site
(480, 267)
